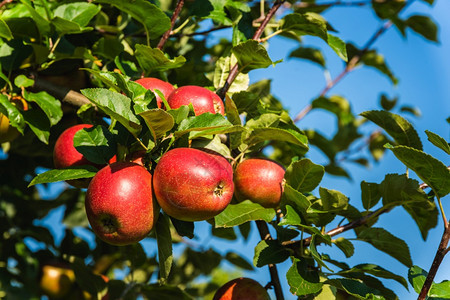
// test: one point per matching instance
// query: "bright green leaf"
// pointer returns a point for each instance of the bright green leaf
(5, 32)
(236, 214)
(71, 173)
(154, 60)
(49, 104)
(304, 175)
(345, 245)
(14, 115)
(416, 277)
(251, 55)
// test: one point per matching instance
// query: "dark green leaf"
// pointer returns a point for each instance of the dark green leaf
(183, 228)
(42, 23)
(388, 243)
(291, 217)
(50, 105)
(415, 111)
(224, 233)
(88, 281)
(438, 141)
(158, 121)
(97, 144)
(416, 277)
(312, 54)
(64, 174)
(429, 169)
(332, 200)
(238, 261)
(164, 239)
(425, 214)
(135, 254)
(38, 123)
(296, 138)
(115, 105)
(269, 252)
(379, 272)
(397, 127)
(336, 105)
(306, 24)
(317, 257)
(424, 26)
(304, 175)
(14, 115)
(206, 121)
(302, 279)
(386, 103)
(294, 198)
(345, 245)
(398, 190)
(154, 60)
(141, 10)
(232, 111)
(156, 291)
(370, 194)
(251, 55)
(236, 214)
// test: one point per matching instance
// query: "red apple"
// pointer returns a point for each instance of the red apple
(57, 279)
(157, 84)
(259, 180)
(192, 185)
(119, 203)
(241, 289)
(203, 100)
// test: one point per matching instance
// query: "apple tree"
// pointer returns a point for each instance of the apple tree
(176, 132)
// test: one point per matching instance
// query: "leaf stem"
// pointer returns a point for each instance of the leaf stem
(174, 17)
(265, 235)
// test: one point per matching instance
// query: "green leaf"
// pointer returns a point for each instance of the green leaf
(388, 243)
(438, 141)
(374, 59)
(97, 144)
(302, 279)
(336, 105)
(115, 105)
(156, 291)
(376, 271)
(79, 12)
(295, 199)
(232, 112)
(296, 138)
(71, 173)
(304, 175)
(399, 189)
(338, 46)
(332, 200)
(440, 290)
(42, 23)
(141, 10)
(164, 239)
(14, 115)
(269, 252)
(221, 72)
(88, 281)
(154, 60)
(396, 126)
(206, 121)
(416, 277)
(425, 214)
(317, 257)
(386, 103)
(370, 194)
(238, 261)
(424, 26)
(183, 228)
(305, 24)
(5, 32)
(311, 54)
(345, 245)
(158, 121)
(23, 81)
(38, 123)
(429, 169)
(355, 288)
(50, 105)
(64, 26)
(236, 214)
(251, 55)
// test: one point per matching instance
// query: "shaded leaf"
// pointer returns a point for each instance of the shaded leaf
(370, 194)
(97, 144)
(156, 291)
(269, 252)
(355, 288)
(251, 55)
(154, 60)
(345, 245)
(158, 121)
(238, 261)
(236, 214)
(39, 124)
(49, 104)
(311, 54)
(64, 174)
(424, 26)
(386, 103)
(164, 239)
(302, 280)
(438, 141)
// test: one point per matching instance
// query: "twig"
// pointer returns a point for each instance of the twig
(205, 32)
(166, 34)
(4, 2)
(235, 69)
(333, 3)
(275, 279)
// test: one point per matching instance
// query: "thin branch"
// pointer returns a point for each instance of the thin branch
(235, 69)
(332, 4)
(205, 32)
(4, 2)
(275, 279)
(166, 34)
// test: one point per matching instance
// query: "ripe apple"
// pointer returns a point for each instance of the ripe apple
(259, 180)
(192, 185)
(119, 203)
(57, 280)
(157, 84)
(8, 132)
(241, 289)
(203, 100)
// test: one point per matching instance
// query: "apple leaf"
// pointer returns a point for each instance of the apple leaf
(396, 126)
(376, 271)
(425, 214)
(214, 123)
(232, 111)
(223, 66)
(158, 121)
(141, 10)
(236, 214)
(438, 141)
(97, 144)
(355, 288)
(116, 105)
(338, 46)
(269, 252)
(345, 246)
(164, 239)
(252, 55)
(305, 24)
(15, 117)
(370, 194)
(291, 217)
(71, 173)
(424, 26)
(311, 54)
(5, 32)
(154, 60)
(183, 228)
(157, 291)
(79, 12)
(23, 81)
(416, 277)
(277, 134)
(332, 200)
(238, 261)
(39, 123)
(386, 242)
(398, 189)
(304, 175)
(302, 279)
(49, 104)
(432, 171)
(92, 283)
(440, 290)
(295, 199)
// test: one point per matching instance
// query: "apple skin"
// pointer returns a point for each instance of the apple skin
(120, 205)
(259, 180)
(241, 289)
(192, 185)
(203, 100)
(157, 84)
(57, 280)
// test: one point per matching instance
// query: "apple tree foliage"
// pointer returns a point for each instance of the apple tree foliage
(76, 62)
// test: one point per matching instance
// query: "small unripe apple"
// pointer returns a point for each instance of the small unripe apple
(241, 289)
(57, 280)
(202, 99)
(119, 203)
(259, 180)
(157, 84)
(192, 185)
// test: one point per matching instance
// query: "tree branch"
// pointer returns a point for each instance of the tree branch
(275, 280)
(166, 34)
(235, 69)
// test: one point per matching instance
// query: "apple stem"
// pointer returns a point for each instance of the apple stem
(275, 279)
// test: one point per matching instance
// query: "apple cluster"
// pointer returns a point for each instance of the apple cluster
(123, 199)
